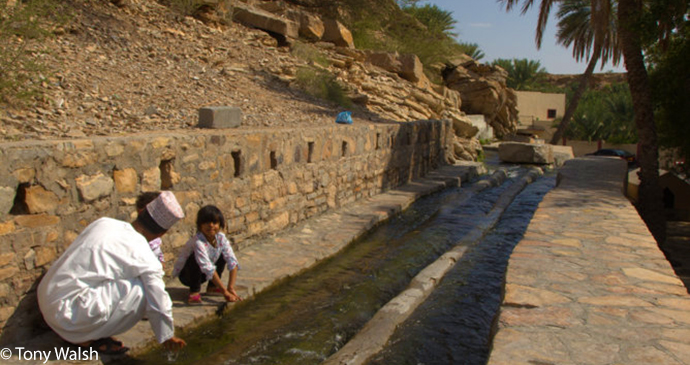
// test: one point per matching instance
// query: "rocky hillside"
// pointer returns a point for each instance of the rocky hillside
(130, 66)
(597, 81)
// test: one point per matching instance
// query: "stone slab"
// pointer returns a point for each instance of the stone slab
(219, 117)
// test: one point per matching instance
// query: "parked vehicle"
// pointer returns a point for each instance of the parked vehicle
(630, 157)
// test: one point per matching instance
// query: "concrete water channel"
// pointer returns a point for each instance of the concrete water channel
(444, 256)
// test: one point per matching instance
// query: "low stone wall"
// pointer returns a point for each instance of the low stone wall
(263, 181)
(588, 284)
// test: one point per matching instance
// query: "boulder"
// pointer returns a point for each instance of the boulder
(530, 153)
(412, 69)
(336, 33)
(461, 125)
(311, 27)
(561, 154)
(483, 91)
(388, 61)
(264, 20)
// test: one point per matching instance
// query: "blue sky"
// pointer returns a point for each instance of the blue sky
(500, 34)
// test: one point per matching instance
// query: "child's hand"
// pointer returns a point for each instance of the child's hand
(231, 296)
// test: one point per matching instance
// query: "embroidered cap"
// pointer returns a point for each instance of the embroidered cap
(165, 210)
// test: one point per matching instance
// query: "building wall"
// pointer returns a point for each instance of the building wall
(263, 181)
(533, 107)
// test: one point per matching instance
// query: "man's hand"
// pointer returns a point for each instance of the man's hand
(174, 344)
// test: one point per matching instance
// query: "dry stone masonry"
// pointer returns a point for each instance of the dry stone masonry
(263, 181)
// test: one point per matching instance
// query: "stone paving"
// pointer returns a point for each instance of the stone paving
(588, 284)
(265, 261)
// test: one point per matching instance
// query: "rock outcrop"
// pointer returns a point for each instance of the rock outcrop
(483, 91)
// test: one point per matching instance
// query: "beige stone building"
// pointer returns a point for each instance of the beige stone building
(537, 110)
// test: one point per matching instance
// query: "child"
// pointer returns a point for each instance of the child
(142, 200)
(205, 256)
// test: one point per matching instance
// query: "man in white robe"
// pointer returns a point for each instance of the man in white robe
(109, 279)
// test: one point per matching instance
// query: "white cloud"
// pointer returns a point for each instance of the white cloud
(481, 25)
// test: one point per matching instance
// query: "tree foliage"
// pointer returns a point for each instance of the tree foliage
(434, 18)
(472, 50)
(523, 74)
(670, 79)
(605, 114)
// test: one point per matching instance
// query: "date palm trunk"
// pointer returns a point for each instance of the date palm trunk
(650, 205)
(575, 99)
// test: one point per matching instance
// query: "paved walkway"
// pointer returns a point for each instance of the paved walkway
(588, 284)
(266, 261)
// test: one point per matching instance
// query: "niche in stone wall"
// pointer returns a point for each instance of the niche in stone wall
(344, 149)
(378, 141)
(274, 160)
(20, 207)
(310, 153)
(237, 162)
(168, 175)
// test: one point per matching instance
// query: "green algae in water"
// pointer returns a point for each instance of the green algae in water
(305, 319)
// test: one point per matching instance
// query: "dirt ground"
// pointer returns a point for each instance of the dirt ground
(121, 70)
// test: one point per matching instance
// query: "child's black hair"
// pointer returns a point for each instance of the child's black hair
(209, 213)
(145, 198)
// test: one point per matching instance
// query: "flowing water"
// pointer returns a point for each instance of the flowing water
(453, 326)
(307, 318)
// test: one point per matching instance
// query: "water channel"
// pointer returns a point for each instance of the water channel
(309, 317)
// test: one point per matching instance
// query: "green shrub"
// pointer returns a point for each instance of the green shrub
(185, 7)
(23, 27)
(309, 53)
(321, 84)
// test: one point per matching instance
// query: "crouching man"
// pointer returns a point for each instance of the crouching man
(109, 279)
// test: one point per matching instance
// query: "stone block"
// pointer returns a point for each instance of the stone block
(531, 153)
(125, 180)
(8, 272)
(336, 33)
(114, 149)
(39, 200)
(24, 175)
(45, 255)
(311, 27)
(7, 195)
(266, 21)
(6, 227)
(30, 260)
(151, 180)
(6, 258)
(37, 220)
(94, 187)
(412, 69)
(219, 117)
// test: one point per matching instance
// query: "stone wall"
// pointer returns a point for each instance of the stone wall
(263, 181)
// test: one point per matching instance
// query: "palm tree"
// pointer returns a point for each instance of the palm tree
(629, 12)
(434, 18)
(575, 27)
(523, 74)
(650, 196)
(472, 50)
